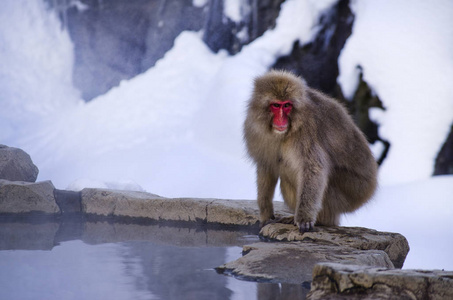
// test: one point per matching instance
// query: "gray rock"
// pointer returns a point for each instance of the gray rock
(141, 205)
(292, 262)
(25, 197)
(145, 205)
(16, 165)
(338, 281)
(394, 244)
(68, 201)
(240, 212)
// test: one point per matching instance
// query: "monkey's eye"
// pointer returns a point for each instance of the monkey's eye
(276, 105)
(286, 105)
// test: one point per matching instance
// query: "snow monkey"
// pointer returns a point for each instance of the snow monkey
(310, 142)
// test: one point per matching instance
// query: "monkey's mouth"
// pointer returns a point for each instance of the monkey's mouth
(280, 129)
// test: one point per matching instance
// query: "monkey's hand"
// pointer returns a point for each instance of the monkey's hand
(304, 224)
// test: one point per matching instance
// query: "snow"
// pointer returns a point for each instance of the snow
(199, 3)
(176, 130)
(407, 62)
(35, 73)
(79, 5)
(422, 211)
(232, 9)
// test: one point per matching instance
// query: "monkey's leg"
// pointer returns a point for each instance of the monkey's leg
(289, 195)
(332, 207)
(289, 192)
(266, 182)
(309, 205)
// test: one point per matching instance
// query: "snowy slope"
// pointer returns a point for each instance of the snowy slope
(422, 211)
(36, 58)
(174, 130)
(405, 49)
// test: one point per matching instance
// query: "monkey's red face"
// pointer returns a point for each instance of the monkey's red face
(280, 110)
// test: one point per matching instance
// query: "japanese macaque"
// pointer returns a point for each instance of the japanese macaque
(309, 142)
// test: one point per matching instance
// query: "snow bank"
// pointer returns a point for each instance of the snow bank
(175, 130)
(422, 211)
(404, 48)
(36, 58)
(232, 9)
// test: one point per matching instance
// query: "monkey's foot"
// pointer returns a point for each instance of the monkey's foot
(306, 226)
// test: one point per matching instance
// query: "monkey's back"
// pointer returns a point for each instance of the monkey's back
(353, 167)
(338, 134)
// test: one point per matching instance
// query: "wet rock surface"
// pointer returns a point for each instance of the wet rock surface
(26, 197)
(145, 205)
(292, 255)
(293, 262)
(16, 165)
(394, 244)
(339, 281)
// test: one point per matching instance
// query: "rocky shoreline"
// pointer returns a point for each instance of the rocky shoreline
(339, 261)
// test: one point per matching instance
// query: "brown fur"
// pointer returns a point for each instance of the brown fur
(323, 160)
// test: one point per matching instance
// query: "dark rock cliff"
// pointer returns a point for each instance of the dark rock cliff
(140, 32)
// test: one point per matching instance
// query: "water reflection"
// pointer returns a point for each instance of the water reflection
(72, 270)
(80, 259)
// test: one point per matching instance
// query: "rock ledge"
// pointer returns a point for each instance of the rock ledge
(339, 281)
(26, 197)
(293, 262)
(291, 259)
(131, 204)
(394, 244)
